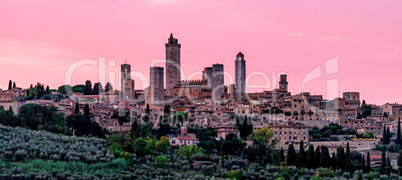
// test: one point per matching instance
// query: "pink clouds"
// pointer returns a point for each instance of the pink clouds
(43, 38)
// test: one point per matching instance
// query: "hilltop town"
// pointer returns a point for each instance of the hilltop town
(193, 107)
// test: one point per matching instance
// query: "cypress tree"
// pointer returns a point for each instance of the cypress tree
(10, 84)
(282, 155)
(383, 162)
(14, 85)
(388, 136)
(87, 113)
(368, 168)
(398, 134)
(363, 164)
(384, 136)
(340, 158)
(310, 157)
(388, 168)
(325, 158)
(333, 160)
(291, 158)
(301, 156)
(399, 162)
(348, 161)
(317, 158)
(77, 108)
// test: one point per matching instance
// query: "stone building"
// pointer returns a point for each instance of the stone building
(224, 130)
(157, 86)
(217, 85)
(172, 64)
(352, 99)
(192, 89)
(240, 71)
(290, 133)
(283, 83)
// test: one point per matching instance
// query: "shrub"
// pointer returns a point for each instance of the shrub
(233, 174)
(325, 172)
(20, 155)
(160, 161)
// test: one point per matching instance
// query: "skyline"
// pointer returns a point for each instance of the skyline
(272, 40)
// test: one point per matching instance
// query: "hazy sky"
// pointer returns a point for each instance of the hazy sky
(39, 40)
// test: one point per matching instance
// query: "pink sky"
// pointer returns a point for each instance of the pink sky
(40, 39)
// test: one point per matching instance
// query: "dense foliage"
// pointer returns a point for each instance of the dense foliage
(18, 144)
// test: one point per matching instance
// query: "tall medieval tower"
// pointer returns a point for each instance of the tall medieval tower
(172, 64)
(283, 83)
(127, 84)
(240, 71)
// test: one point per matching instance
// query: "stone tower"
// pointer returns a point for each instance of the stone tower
(127, 84)
(217, 85)
(172, 64)
(240, 70)
(283, 84)
(157, 86)
(207, 76)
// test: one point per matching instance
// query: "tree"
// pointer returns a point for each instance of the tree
(244, 125)
(384, 136)
(180, 117)
(368, 168)
(317, 158)
(146, 130)
(325, 158)
(366, 110)
(160, 161)
(108, 87)
(383, 162)
(14, 85)
(388, 168)
(398, 134)
(10, 84)
(164, 122)
(291, 158)
(88, 88)
(227, 148)
(188, 151)
(388, 136)
(340, 158)
(140, 145)
(366, 135)
(135, 131)
(84, 127)
(333, 160)
(64, 89)
(162, 145)
(399, 162)
(363, 165)
(348, 162)
(87, 114)
(262, 140)
(263, 137)
(282, 155)
(47, 90)
(122, 116)
(77, 108)
(310, 157)
(97, 88)
(33, 92)
(301, 156)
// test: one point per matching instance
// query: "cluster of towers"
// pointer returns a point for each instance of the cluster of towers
(213, 76)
